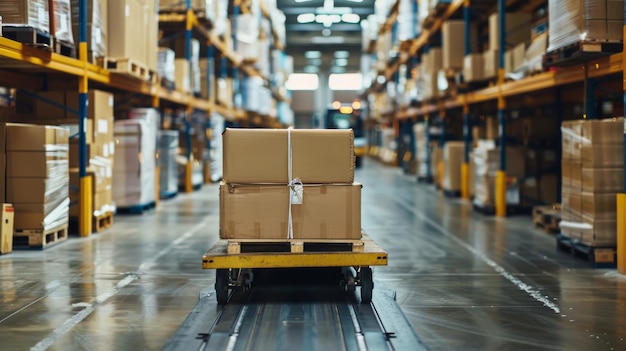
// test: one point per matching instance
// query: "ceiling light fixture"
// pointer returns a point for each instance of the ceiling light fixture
(312, 54)
(306, 18)
(351, 18)
(342, 54)
(342, 62)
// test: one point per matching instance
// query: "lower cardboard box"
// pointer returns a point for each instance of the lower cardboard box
(601, 233)
(603, 179)
(599, 206)
(262, 212)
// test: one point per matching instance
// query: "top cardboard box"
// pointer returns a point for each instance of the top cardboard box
(319, 156)
(606, 131)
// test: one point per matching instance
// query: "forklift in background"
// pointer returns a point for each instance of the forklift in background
(345, 116)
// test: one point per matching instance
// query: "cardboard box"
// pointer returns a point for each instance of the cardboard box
(571, 137)
(452, 33)
(453, 158)
(572, 203)
(491, 63)
(517, 27)
(613, 30)
(473, 68)
(262, 211)
(37, 216)
(518, 56)
(181, 75)
(576, 177)
(529, 191)
(602, 179)
(36, 190)
(40, 164)
(100, 106)
(566, 174)
(6, 229)
(33, 13)
(603, 132)
(602, 156)
(548, 188)
(478, 133)
(492, 128)
(261, 155)
(598, 206)
(30, 137)
(601, 233)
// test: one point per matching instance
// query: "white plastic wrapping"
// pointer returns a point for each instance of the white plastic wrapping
(96, 25)
(246, 29)
(165, 63)
(168, 145)
(33, 13)
(572, 21)
(63, 19)
(135, 161)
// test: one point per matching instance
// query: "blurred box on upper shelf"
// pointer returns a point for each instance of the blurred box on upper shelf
(97, 25)
(133, 31)
(33, 13)
(181, 75)
(262, 155)
(262, 211)
(473, 67)
(453, 44)
(166, 66)
(490, 64)
(63, 21)
(224, 92)
(517, 26)
(572, 21)
(247, 36)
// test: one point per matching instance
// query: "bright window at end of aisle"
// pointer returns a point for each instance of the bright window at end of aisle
(302, 81)
(345, 81)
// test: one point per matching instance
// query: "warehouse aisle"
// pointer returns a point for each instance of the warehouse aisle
(464, 281)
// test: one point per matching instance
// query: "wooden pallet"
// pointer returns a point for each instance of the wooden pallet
(294, 245)
(102, 222)
(28, 35)
(127, 67)
(595, 256)
(547, 218)
(37, 238)
(581, 52)
(63, 48)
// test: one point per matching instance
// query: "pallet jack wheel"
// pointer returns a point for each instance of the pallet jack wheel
(367, 285)
(221, 286)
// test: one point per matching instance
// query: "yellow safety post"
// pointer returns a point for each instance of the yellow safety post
(190, 158)
(85, 219)
(621, 233)
(465, 180)
(465, 194)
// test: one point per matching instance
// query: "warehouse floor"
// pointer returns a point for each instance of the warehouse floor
(464, 281)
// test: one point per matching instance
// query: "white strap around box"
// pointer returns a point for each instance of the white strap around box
(296, 190)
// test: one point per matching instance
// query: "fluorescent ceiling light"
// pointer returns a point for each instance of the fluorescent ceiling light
(355, 0)
(328, 40)
(351, 18)
(315, 62)
(342, 54)
(302, 81)
(311, 69)
(345, 81)
(312, 54)
(341, 62)
(306, 18)
(299, 1)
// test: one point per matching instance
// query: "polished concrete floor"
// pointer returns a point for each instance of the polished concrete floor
(464, 281)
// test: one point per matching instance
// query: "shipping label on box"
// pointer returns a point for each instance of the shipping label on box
(262, 212)
(261, 155)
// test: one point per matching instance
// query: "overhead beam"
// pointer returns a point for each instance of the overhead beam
(311, 27)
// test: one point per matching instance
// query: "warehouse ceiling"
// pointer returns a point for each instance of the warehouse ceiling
(325, 35)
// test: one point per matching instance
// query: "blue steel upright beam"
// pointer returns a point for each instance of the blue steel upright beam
(236, 83)
(86, 185)
(466, 114)
(188, 110)
(621, 198)
(501, 174)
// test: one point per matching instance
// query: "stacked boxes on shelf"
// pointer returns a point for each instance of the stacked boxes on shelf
(38, 189)
(572, 21)
(592, 174)
(487, 163)
(97, 24)
(63, 21)
(431, 64)
(32, 13)
(61, 108)
(289, 184)
(133, 31)
(452, 160)
(168, 151)
(421, 149)
(135, 159)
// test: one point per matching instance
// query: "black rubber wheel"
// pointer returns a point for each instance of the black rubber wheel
(221, 286)
(367, 285)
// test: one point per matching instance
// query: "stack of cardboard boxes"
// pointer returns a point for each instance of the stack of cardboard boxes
(38, 189)
(168, 150)
(33, 13)
(593, 172)
(97, 24)
(452, 160)
(257, 201)
(421, 149)
(487, 164)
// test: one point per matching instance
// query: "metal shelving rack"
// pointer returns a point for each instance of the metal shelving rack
(37, 64)
(587, 72)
